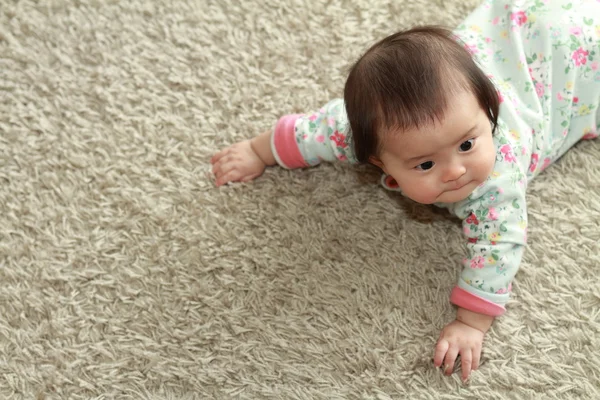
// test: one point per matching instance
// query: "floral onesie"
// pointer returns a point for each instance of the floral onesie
(544, 59)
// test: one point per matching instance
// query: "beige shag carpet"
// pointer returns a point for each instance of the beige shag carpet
(124, 273)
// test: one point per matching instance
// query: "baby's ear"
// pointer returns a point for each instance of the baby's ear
(377, 162)
(389, 183)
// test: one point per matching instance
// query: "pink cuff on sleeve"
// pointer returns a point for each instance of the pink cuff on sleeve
(474, 303)
(285, 147)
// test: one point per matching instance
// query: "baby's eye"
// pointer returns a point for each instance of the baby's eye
(425, 166)
(467, 145)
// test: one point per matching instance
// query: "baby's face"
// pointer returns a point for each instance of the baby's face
(445, 162)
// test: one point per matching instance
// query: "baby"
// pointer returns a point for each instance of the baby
(461, 119)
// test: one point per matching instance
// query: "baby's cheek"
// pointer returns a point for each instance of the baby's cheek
(422, 193)
(485, 164)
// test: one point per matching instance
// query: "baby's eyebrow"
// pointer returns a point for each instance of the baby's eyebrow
(412, 159)
(467, 134)
(462, 139)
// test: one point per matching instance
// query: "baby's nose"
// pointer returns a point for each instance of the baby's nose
(454, 172)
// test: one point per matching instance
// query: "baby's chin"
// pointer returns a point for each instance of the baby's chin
(454, 196)
(449, 196)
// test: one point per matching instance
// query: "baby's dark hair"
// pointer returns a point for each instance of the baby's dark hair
(406, 81)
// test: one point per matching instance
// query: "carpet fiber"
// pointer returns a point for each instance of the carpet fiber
(125, 273)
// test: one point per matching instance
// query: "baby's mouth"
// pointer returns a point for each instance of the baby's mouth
(458, 185)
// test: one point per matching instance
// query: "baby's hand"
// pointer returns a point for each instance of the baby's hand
(237, 163)
(459, 338)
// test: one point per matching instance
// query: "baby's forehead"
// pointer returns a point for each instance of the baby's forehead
(460, 119)
(410, 140)
(409, 146)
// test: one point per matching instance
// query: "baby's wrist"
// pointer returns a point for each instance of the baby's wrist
(481, 322)
(261, 145)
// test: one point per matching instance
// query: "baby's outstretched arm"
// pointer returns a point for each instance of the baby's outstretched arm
(464, 337)
(243, 161)
(494, 223)
(296, 141)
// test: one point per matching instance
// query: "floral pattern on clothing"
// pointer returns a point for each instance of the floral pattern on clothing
(494, 222)
(543, 57)
(549, 102)
(322, 135)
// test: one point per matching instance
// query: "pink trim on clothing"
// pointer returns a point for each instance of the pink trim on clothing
(474, 303)
(284, 142)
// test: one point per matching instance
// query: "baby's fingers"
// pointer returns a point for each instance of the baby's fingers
(476, 357)
(218, 156)
(450, 360)
(249, 178)
(440, 352)
(466, 362)
(217, 164)
(236, 176)
(226, 163)
(231, 176)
